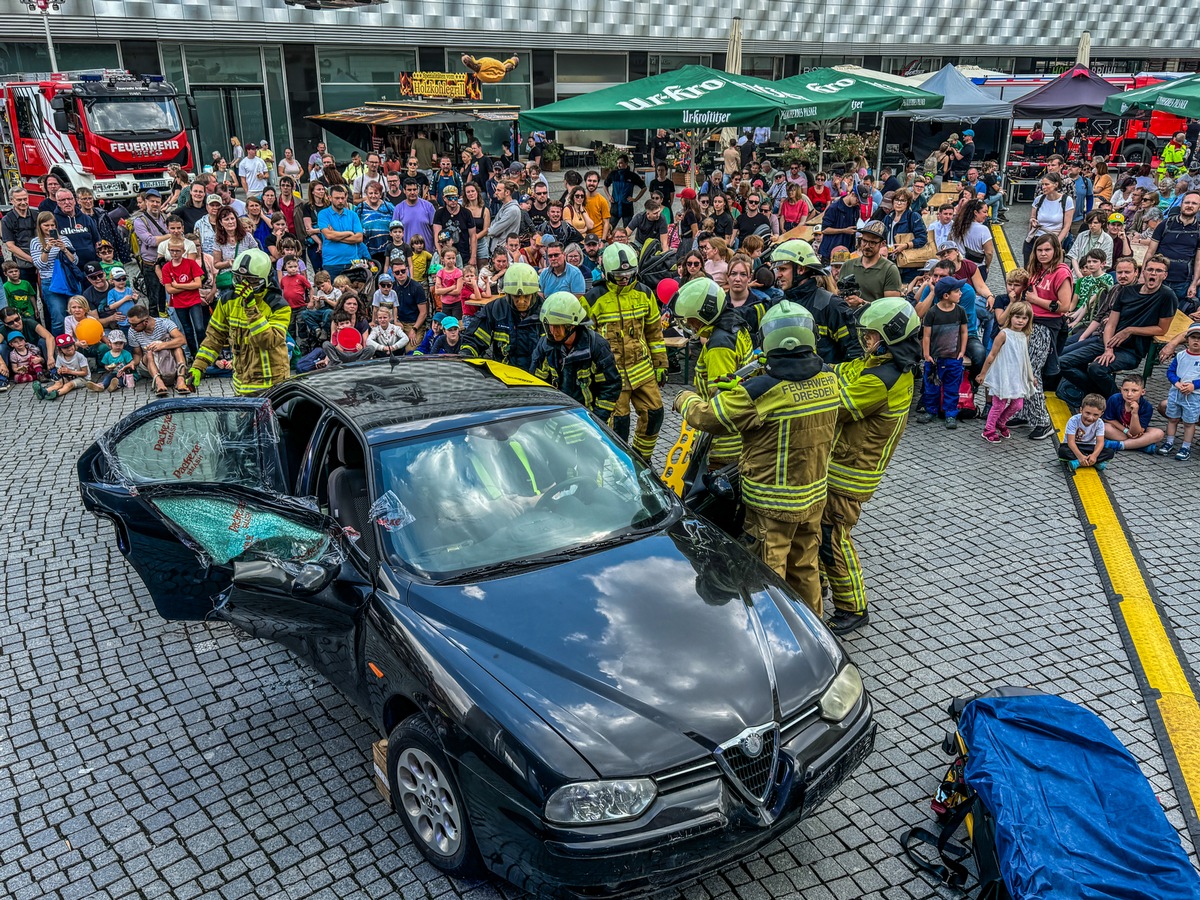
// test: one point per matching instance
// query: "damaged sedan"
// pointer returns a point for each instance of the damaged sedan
(587, 688)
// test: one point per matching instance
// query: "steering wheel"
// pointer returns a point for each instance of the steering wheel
(555, 491)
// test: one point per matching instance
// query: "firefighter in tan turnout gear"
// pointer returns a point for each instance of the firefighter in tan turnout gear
(875, 393)
(727, 347)
(627, 315)
(787, 418)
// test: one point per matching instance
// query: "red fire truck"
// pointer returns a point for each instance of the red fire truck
(103, 129)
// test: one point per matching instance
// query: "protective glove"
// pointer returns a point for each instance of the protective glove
(194, 375)
(661, 376)
(244, 292)
(680, 399)
(728, 383)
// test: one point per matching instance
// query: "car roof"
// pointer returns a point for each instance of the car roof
(381, 394)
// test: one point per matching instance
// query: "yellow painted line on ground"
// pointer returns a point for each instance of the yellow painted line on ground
(1007, 261)
(1156, 654)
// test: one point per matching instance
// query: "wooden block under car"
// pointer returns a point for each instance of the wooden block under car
(379, 752)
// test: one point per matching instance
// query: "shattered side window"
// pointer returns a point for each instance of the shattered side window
(225, 530)
(233, 445)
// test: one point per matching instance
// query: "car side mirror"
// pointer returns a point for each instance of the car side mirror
(271, 574)
(62, 122)
(718, 485)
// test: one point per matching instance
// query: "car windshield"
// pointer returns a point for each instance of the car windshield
(508, 491)
(116, 116)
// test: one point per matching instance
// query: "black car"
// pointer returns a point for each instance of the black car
(586, 688)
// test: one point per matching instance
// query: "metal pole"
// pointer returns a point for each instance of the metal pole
(49, 41)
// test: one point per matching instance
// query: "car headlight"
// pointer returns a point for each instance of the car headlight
(594, 802)
(839, 698)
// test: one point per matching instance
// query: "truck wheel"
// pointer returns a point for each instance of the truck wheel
(428, 799)
(1138, 153)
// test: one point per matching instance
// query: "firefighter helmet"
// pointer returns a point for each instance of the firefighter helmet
(788, 326)
(562, 308)
(619, 260)
(520, 278)
(799, 253)
(700, 298)
(253, 268)
(892, 317)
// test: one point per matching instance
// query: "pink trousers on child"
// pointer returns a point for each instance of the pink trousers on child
(1001, 412)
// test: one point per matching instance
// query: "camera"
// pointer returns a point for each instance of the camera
(847, 286)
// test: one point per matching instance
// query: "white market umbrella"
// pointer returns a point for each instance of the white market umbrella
(733, 65)
(1083, 56)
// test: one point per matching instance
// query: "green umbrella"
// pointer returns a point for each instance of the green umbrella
(833, 94)
(690, 97)
(1180, 97)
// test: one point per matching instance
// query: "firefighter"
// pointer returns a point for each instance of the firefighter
(787, 418)
(727, 347)
(251, 320)
(875, 393)
(797, 268)
(627, 315)
(508, 327)
(574, 358)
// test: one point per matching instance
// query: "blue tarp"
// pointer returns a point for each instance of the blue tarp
(1075, 817)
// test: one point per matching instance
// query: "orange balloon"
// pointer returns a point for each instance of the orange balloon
(89, 331)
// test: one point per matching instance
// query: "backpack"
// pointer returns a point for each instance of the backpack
(954, 805)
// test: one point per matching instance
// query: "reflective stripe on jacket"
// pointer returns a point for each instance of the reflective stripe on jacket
(630, 320)
(875, 397)
(787, 430)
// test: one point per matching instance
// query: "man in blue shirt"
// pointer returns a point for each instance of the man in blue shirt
(619, 186)
(342, 230)
(560, 275)
(839, 224)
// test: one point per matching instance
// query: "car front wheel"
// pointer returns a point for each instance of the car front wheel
(428, 799)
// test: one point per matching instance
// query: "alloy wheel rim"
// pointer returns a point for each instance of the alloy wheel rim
(429, 802)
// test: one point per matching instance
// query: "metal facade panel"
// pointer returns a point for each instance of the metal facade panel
(993, 27)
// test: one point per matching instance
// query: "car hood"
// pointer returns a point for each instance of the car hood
(645, 655)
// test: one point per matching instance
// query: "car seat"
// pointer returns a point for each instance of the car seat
(349, 501)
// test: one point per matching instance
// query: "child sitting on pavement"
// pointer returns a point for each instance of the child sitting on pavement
(1183, 401)
(1084, 443)
(944, 343)
(448, 342)
(386, 337)
(73, 370)
(23, 359)
(117, 363)
(431, 336)
(1127, 418)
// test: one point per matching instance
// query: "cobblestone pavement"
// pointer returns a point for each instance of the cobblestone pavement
(140, 758)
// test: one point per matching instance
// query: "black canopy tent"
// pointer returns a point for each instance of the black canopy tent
(1076, 94)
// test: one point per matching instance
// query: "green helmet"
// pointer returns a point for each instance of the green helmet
(521, 278)
(562, 308)
(619, 259)
(788, 326)
(700, 298)
(252, 267)
(799, 253)
(892, 317)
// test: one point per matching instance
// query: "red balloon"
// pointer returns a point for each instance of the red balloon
(666, 290)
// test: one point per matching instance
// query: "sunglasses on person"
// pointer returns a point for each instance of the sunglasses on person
(693, 264)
